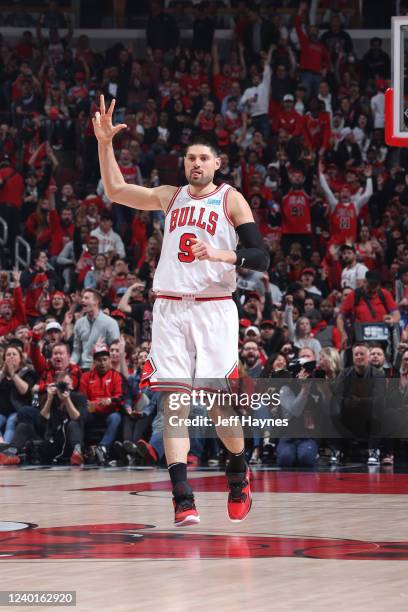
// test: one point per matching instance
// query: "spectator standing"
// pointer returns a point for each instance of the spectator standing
(12, 312)
(162, 31)
(94, 325)
(314, 57)
(256, 98)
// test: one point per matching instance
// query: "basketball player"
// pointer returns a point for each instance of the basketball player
(195, 320)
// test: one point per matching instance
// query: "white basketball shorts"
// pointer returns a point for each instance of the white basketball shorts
(193, 340)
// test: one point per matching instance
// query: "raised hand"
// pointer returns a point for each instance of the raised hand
(102, 123)
(16, 274)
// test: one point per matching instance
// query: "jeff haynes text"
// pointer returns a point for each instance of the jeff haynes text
(230, 421)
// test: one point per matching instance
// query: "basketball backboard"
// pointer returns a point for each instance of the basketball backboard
(396, 98)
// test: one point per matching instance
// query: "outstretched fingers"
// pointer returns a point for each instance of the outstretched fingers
(111, 107)
(102, 104)
(119, 127)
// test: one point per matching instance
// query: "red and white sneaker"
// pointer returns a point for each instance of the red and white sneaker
(146, 452)
(76, 458)
(185, 512)
(9, 459)
(240, 498)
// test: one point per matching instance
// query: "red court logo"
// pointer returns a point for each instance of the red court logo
(138, 541)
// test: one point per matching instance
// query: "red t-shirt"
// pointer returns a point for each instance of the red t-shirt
(313, 55)
(361, 311)
(12, 190)
(129, 173)
(191, 83)
(222, 86)
(317, 130)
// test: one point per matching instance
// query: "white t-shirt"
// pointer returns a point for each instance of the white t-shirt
(377, 107)
(350, 276)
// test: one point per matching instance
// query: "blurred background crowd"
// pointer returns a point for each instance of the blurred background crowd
(297, 115)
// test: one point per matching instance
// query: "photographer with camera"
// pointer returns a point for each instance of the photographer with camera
(58, 431)
(65, 411)
(306, 405)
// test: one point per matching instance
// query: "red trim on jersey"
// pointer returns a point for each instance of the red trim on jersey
(224, 205)
(167, 386)
(173, 200)
(194, 299)
(207, 195)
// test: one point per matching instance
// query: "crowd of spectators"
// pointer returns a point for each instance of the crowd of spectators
(298, 118)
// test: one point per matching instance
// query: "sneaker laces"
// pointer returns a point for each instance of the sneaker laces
(236, 491)
(186, 503)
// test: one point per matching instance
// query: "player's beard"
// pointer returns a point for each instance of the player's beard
(199, 180)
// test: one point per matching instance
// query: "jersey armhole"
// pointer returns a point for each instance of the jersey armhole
(173, 200)
(224, 205)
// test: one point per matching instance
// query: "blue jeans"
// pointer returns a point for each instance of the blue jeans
(112, 422)
(27, 414)
(311, 80)
(156, 439)
(8, 423)
(262, 123)
(296, 451)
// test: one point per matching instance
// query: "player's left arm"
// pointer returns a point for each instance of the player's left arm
(252, 254)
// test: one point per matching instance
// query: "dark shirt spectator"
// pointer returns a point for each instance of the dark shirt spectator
(162, 31)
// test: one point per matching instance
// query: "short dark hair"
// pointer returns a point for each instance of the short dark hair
(205, 142)
(361, 345)
(62, 344)
(95, 293)
(376, 346)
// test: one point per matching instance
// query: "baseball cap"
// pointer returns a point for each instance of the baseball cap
(53, 326)
(244, 322)
(288, 98)
(347, 247)
(308, 271)
(251, 329)
(267, 323)
(373, 277)
(101, 349)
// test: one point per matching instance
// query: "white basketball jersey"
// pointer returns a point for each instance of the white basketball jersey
(204, 218)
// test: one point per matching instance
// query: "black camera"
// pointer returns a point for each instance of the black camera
(298, 364)
(62, 387)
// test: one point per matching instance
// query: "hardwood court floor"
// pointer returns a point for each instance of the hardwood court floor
(313, 541)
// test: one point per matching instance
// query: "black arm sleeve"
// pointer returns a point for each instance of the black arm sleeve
(253, 255)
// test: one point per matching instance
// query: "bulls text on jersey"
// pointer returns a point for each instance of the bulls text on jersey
(191, 216)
